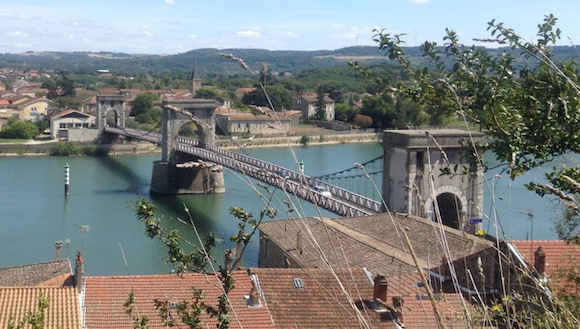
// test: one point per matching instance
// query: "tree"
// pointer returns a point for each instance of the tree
(280, 97)
(320, 113)
(528, 106)
(143, 103)
(198, 260)
(381, 110)
(20, 130)
(206, 92)
(344, 112)
(528, 111)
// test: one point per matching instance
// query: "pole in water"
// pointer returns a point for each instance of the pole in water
(66, 178)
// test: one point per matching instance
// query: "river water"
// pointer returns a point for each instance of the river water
(97, 218)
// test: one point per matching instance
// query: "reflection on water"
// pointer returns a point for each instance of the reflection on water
(35, 212)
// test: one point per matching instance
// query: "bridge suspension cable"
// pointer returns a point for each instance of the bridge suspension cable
(355, 167)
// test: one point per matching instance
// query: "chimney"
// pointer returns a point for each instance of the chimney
(380, 288)
(540, 260)
(398, 303)
(79, 272)
(57, 245)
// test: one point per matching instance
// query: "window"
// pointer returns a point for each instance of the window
(33, 109)
(85, 125)
(62, 125)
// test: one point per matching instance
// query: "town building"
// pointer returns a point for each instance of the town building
(306, 103)
(72, 125)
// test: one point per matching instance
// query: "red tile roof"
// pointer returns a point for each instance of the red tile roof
(105, 296)
(63, 309)
(560, 257)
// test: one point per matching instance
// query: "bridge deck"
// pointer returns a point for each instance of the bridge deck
(342, 202)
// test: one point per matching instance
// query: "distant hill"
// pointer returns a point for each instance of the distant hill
(210, 63)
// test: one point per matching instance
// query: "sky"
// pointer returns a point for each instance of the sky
(177, 26)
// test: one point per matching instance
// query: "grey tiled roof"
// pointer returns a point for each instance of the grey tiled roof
(33, 274)
(374, 242)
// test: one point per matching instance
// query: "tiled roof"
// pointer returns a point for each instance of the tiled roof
(63, 309)
(313, 98)
(418, 310)
(50, 273)
(322, 303)
(373, 242)
(560, 256)
(105, 296)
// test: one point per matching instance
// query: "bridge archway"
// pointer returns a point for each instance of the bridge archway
(452, 205)
(413, 179)
(107, 104)
(176, 114)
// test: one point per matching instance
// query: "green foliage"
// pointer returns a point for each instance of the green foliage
(65, 149)
(15, 129)
(381, 110)
(320, 113)
(143, 103)
(36, 319)
(197, 260)
(206, 92)
(344, 112)
(528, 110)
(280, 97)
(138, 322)
(304, 140)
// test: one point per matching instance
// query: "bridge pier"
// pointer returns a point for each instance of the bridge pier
(187, 178)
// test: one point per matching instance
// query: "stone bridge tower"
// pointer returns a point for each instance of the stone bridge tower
(170, 175)
(108, 103)
(409, 186)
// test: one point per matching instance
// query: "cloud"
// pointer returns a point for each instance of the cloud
(191, 36)
(169, 2)
(147, 33)
(286, 34)
(420, 1)
(18, 34)
(15, 16)
(248, 33)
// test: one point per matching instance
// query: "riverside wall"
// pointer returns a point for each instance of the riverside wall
(44, 148)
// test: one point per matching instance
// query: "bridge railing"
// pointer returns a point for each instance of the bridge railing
(260, 169)
(294, 187)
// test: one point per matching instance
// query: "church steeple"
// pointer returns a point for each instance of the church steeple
(195, 79)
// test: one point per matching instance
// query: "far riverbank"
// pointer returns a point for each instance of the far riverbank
(43, 148)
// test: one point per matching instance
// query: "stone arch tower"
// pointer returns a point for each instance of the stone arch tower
(409, 187)
(108, 103)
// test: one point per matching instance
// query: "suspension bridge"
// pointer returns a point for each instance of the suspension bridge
(340, 201)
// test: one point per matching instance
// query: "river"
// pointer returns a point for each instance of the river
(97, 218)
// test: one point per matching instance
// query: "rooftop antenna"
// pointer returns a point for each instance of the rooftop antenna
(84, 229)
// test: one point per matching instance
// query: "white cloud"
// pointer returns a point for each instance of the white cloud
(147, 33)
(169, 2)
(420, 1)
(191, 36)
(287, 34)
(15, 16)
(248, 33)
(18, 34)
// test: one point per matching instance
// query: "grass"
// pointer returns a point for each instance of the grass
(12, 141)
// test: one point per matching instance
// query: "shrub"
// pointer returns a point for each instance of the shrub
(65, 149)
(305, 140)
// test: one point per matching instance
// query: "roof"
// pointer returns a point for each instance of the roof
(324, 303)
(63, 309)
(373, 242)
(560, 257)
(321, 303)
(69, 113)
(105, 296)
(34, 100)
(55, 273)
(313, 97)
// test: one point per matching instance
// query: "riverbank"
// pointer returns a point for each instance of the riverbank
(44, 148)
